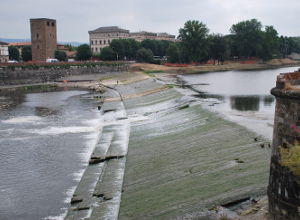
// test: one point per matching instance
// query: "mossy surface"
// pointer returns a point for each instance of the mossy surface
(184, 161)
(290, 158)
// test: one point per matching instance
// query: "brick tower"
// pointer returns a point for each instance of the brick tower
(43, 38)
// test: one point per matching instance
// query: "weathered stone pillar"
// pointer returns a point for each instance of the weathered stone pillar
(284, 182)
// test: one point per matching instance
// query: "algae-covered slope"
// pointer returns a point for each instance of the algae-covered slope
(183, 159)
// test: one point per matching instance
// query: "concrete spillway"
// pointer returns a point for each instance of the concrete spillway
(182, 160)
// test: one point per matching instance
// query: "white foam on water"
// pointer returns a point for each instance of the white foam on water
(61, 130)
(69, 194)
(114, 204)
(77, 175)
(58, 217)
(92, 140)
(137, 117)
(23, 119)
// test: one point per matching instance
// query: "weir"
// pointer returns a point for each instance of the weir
(284, 182)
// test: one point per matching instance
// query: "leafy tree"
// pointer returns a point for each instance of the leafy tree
(247, 37)
(134, 46)
(26, 53)
(144, 55)
(163, 46)
(173, 53)
(83, 52)
(118, 47)
(70, 47)
(218, 47)
(150, 44)
(14, 53)
(107, 53)
(269, 46)
(60, 55)
(194, 43)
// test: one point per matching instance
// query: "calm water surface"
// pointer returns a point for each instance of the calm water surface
(241, 96)
(45, 141)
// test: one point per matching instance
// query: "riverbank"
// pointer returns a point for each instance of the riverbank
(275, 63)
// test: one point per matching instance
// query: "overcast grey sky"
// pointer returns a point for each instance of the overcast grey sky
(76, 17)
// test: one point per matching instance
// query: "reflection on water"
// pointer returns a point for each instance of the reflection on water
(242, 96)
(250, 103)
(247, 103)
(269, 100)
(10, 99)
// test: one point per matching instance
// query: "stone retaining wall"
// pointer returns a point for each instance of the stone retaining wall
(284, 184)
(17, 76)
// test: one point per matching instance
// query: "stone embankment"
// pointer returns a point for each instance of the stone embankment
(18, 75)
(182, 161)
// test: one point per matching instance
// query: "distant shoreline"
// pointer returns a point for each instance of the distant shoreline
(273, 64)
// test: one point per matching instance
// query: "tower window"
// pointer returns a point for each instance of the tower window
(37, 36)
(48, 23)
(52, 24)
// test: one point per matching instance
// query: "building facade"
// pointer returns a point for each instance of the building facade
(4, 55)
(101, 37)
(43, 38)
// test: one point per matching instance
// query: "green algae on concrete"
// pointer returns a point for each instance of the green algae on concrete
(290, 158)
(182, 162)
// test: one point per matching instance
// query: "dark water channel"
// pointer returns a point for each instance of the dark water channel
(45, 142)
(241, 96)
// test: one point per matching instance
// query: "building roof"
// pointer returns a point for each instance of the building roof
(109, 29)
(3, 43)
(164, 34)
(42, 19)
(20, 44)
(144, 33)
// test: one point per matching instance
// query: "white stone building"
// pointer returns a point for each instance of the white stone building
(102, 36)
(4, 55)
(143, 35)
(165, 36)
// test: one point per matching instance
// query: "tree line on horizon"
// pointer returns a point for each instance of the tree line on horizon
(247, 39)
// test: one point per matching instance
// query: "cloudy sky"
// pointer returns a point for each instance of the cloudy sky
(76, 17)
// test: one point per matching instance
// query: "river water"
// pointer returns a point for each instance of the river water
(241, 96)
(46, 139)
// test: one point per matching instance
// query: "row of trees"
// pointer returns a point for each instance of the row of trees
(130, 49)
(246, 39)
(26, 54)
(14, 53)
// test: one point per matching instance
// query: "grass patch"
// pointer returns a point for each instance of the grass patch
(170, 86)
(153, 71)
(39, 87)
